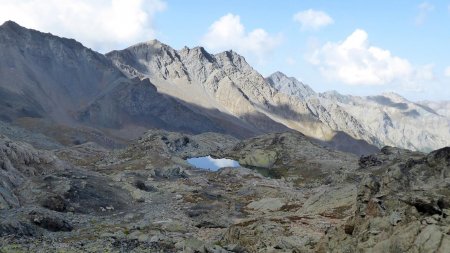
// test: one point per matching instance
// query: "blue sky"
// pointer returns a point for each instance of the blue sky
(354, 47)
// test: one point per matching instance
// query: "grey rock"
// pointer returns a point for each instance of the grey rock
(401, 207)
(290, 86)
(50, 222)
(266, 204)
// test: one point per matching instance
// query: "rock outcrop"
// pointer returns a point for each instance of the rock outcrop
(37, 189)
(402, 205)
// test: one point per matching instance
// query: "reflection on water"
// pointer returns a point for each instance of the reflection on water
(209, 163)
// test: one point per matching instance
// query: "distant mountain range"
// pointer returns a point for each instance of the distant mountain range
(58, 87)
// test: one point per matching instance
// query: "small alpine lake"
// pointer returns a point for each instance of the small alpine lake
(213, 164)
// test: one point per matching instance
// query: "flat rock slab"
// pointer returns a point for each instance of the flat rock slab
(267, 204)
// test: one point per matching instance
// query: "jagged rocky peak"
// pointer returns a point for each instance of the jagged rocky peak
(234, 58)
(289, 85)
(15, 34)
(153, 58)
(155, 42)
(149, 59)
(10, 24)
(10, 30)
(196, 50)
(156, 47)
(276, 77)
(196, 53)
(151, 48)
(12, 27)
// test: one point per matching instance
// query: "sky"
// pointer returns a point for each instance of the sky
(354, 47)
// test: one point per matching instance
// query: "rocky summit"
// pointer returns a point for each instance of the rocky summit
(94, 149)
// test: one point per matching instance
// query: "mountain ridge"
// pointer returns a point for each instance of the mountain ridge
(46, 76)
(283, 99)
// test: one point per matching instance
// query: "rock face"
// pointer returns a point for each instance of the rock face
(387, 119)
(18, 162)
(402, 205)
(140, 105)
(44, 76)
(442, 107)
(390, 119)
(290, 86)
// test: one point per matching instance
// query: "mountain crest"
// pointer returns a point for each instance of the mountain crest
(11, 24)
(394, 96)
(289, 85)
(197, 52)
(12, 29)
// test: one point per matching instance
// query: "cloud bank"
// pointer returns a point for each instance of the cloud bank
(101, 24)
(355, 61)
(229, 33)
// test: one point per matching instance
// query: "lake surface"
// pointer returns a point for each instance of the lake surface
(209, 163)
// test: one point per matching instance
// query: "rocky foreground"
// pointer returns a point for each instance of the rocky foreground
(292, 196)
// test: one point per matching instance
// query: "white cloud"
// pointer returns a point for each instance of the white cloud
(100, 24)
(424, 9)
(355, 62)
(229, 33)
(312, 19)
(447, 71)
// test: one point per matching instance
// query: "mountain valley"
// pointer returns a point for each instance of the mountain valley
(94, 149)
